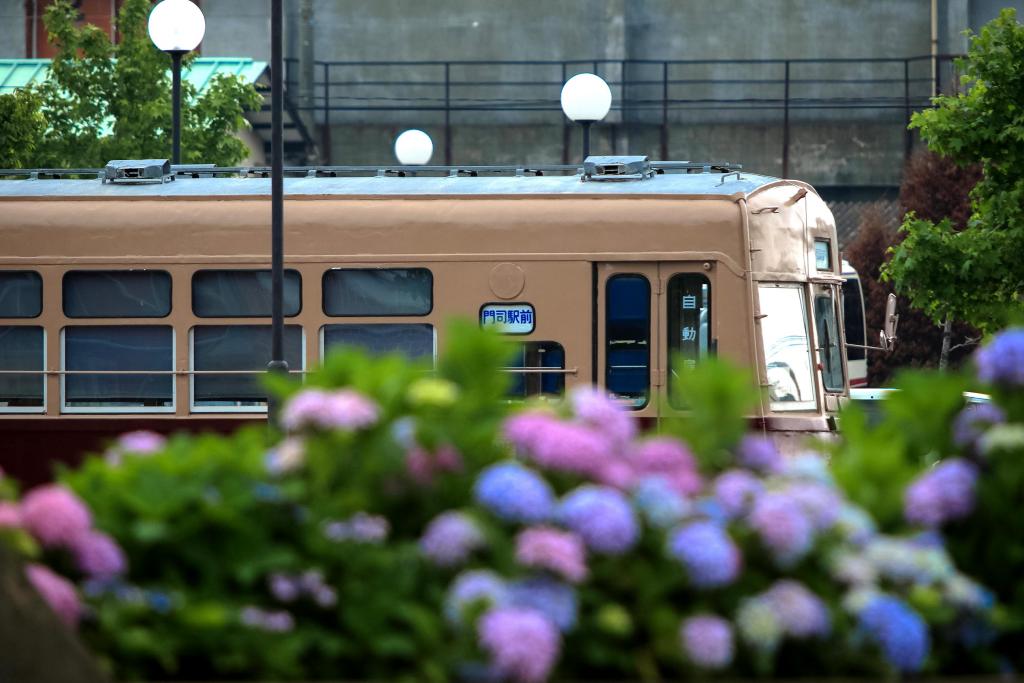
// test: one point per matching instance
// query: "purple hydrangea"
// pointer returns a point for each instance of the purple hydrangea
(569, 447)
(707, 641)
(819, 502)
(973, 421)
(783, 527)
(602, 516)
(555, 600)
(669, 458)
(561, 552)
(359, 528)
(1001, 361)
(99, 556)
(659, 502)
(736, 490)
(56, 591)
(523, 430)
(593, 407)
(943, 493)
(473, 587)
(284, 587)
(55, 515)
(801, 613)
(514, 493)
(343, 409)
(278, 621)
(450, 538)
(760, 453)
(710, 557)
(522, 644)
(898, 630)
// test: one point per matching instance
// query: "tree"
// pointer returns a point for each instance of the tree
(974, 275)
(106, 101)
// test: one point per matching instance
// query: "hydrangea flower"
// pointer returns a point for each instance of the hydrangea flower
(555, 600)
(710, 557)
(760, 453)
(943, 493)
(736, 490)
(855, 525)
(853, 569)
(423, 466)
(522, 430)
(56, 591)
(1001, 361)
(569, 447)
(970, 424)
(801, 613)
(898, 630)
(55, 515)
(707, 641)
(343, 409)
(962, 592)
(522, 644)
(783, 527)
(758, 625)
(450, 538)
(278, 621)
(820, 503)
(433, 392)
(140, 442)
(561, 552)
(810, 466)
(669, 458)
(287, 456)
(602, 516)
(10, 515)
(904, 562)
(99, 556)
(474, 587)
(284, 587)
(596, 409)
(659, 502)
(514, 493)
(360, 528)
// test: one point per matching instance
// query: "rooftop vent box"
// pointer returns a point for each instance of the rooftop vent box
(137, 171)
(617, 168)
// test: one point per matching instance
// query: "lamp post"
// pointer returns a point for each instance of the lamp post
(586, 99)
(176, 27)
(413, 148)
(277, 361)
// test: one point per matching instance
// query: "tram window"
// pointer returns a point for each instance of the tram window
(628, 332)
(378, 291)
(117, 294)
(534, 355)
(829, 351)
(853, 318)
(21, 294)
(823, 254)
(415, 340)
(242, 293)
(689, 323)
(787, 348)
(145, 349)
(21, 348)
(232, 348)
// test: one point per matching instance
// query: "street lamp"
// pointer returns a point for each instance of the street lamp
(586, 99)
(413, 148)
(176, 27)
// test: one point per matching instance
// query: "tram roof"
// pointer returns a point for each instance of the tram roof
(669, 178)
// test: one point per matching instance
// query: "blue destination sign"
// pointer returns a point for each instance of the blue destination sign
(508, 318)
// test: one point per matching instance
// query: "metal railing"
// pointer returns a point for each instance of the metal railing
(648, 92)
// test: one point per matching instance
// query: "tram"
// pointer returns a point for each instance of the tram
(140, 298)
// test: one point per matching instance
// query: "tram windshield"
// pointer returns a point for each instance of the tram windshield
(787, 348)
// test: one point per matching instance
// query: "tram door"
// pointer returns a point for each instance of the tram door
(649, 316)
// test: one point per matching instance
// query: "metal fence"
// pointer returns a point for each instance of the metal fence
(647, 92)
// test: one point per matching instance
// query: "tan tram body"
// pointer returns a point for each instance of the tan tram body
(603, 278)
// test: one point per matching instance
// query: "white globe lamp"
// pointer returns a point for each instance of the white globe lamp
(586, 99)
(413, 148)
(176, 27)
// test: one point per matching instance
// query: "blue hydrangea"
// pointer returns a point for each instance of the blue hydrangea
(1001, 361)
(554, 599)
(973, 421)
(515, 493)
(704, 548)
(601, 516)
(472, 587)
(659, 502)
(898, 630)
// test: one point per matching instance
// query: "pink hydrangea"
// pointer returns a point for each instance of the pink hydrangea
(522, 429)
(344, 409)
(568, 447)
(140, 442)
(523, 644)
(55, 515)
(57, 592)
(559, 551)
(671, 459)
(594, 408)
(99, 556)
(10, 515)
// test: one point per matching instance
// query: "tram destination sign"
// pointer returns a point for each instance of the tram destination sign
(508, 318)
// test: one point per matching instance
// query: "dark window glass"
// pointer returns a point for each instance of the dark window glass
(117, 294)
(628, 330)
(119, 348)
(242, 293)
(411, 340)
(21, 348)
(853, 319)
(541, 354)
(378, 291)
(829, 351)
(689, 324)
(21, 294)
(237, 347)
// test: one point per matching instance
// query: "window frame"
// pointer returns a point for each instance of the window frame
(323, 294)
(651, 331)
(63, 294)
(113, 410)
(192, 293)
(32, 410)
(829, 292)
(42, 298)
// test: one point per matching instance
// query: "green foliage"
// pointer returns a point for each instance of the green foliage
(103, 101)
(976, 274)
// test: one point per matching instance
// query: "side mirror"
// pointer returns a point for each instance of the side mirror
(887, 337)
